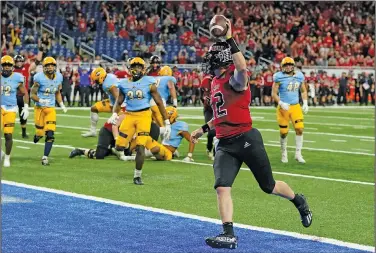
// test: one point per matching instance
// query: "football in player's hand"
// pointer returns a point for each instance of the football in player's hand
(218, 26)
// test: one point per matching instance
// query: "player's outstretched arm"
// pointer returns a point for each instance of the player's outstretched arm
(119, 101)
(196, 134)
(158, 100)
(303, 90)
(187, 136)
(240, 79)
(275, 89)
(171, 87)
(59, 99)
(34, 92)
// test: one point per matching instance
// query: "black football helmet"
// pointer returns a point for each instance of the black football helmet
(19, 58)
(218, 56)
(155, 59)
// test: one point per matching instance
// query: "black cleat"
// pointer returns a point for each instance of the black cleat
(37, 138)
(25, 136)
(222, 241)
(76, 152)
(137, 181)
(305, 212)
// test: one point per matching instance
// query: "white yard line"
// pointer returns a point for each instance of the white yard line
(274, 141)
(367, 140)
(333, 140)
(309, 141)
(362, 149)
(22, 147)
(194, 217)
(339, 128)
(206, 164)
(310, 128)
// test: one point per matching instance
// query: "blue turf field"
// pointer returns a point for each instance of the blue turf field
(38, 221)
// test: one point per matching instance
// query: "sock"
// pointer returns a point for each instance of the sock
(299, 144)
(228, 228)
(137, 173)
(47, 148)
(7, 157)
(283, 142)
(44, 157)
(297, 201)
(94, 120)
(23, 131)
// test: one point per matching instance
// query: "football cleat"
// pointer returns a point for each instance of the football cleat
(89, 134)
(25, 136)
(176, 154)
(222, 241)
(305, 212)
(7, 162)
(45, 161)
(284, 158)
(37, 138)
(137, 181)
(76, 152)
(300, 159)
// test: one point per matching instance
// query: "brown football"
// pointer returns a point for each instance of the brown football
(218, 26)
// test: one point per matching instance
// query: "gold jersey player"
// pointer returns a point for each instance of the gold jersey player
(11, 83)
(137, 91)
(109, 84)
(239, 141)
(45, 93)
(288, 83)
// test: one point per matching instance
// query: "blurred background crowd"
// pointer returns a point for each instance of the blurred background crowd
(320, 34)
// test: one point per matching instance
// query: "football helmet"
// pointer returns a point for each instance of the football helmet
(98, 75)
(172, 113)
(49, 65)
(287, 65)
(218, 56)
(137, 68)
(7, 65)
(165, 71)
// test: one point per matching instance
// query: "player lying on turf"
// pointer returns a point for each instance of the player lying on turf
(168, 148)
(106, 143)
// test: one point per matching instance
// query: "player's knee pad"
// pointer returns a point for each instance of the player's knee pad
(283, 129)
(121, 140)
(8, 136)
(268, 188)
(299, 124)
(50, 136)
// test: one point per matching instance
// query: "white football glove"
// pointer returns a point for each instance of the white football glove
(283, 105)
(113, 119)
(25, 111)
(167, 132)
(62, 106)
(188, 158)
(44, 101)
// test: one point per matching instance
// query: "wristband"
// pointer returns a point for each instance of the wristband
(61, 104)
(175, 102)
(233, 46)
(205, 128)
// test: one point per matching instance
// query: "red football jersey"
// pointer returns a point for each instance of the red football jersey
(153, 72)
(230, 108)
(25, 72)
(121, 74)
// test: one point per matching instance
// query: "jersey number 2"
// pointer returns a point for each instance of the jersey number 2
(5, 90)
(219, 103)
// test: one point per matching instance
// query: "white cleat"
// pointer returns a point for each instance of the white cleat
(45, 161)
(89, 134)
(284, 158)
(6, 162)
(300, 159)
(127, 158)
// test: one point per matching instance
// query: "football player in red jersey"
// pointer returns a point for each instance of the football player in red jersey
(238, 141)
(155, 65)
(23, 68)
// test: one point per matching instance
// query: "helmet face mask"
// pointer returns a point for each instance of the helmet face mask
(137, 71)
(49, 66)
(219, 56)
(288, 68)
(155, 62)
(6, 69)
(172, 113)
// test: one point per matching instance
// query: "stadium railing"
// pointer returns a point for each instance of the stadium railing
(29, 18)
(87, 50)
(49, 29)
(67, 40)
(14, 9)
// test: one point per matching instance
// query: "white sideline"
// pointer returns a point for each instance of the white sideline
(195, 217)
(207, 164)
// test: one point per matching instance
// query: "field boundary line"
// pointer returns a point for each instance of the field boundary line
(192, 216)
(207, 164)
